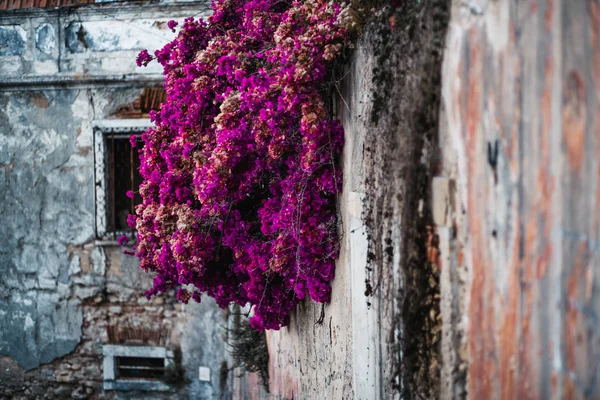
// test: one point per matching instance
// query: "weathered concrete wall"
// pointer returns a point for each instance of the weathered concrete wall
(35, 260)
(333, 350)
(86, 44)
(316, 355)
(521, 148)
(379, 336)
(59, 287)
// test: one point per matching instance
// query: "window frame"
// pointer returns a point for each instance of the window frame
(111, 352)
(102, 130)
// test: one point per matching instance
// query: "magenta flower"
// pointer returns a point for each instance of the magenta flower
(172, 24)
(183, 296)
(122, 240)
(129, 194)
(143, 58)
(240, 173)
(131, 221)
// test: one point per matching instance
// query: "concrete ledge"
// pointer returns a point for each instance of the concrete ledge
(136, 351)
(37, 82)
(110, 9)
(133, 124)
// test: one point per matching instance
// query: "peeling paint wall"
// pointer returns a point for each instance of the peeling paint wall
(521, 146)
(86, 43)
(378, 338)
(42, 214)
(61, 70)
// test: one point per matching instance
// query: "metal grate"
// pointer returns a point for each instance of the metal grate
(116, 170)
(122, 169)
(139, 367)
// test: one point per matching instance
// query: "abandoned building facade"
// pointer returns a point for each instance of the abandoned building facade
(470, 225)
(74, 322)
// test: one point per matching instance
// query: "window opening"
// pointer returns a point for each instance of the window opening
(128, 367)
(124, 174)
(139, 368)
(116, 171)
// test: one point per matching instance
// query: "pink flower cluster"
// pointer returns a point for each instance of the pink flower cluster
(240, 172)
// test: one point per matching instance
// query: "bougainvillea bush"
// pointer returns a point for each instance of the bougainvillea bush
(240, 174)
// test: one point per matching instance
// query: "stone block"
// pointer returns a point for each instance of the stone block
(115, 309)
(86, 292)
(46, 283)
(64, 377)
(28, 261)
(74, 265)
(98, 261)
(80, 393)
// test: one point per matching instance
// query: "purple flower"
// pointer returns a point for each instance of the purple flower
(172, 24)
(129, 194)
(131, 221)
(143, 58)
(183, 296)
(240, 169)
(197, 297)
(122, 240)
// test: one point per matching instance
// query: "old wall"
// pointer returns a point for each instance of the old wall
(61, 70)
(520, 239)
(314, 356)
(378, 338)
(83, 45)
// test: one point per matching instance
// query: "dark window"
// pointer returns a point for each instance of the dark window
(139, 368)
(123, 172)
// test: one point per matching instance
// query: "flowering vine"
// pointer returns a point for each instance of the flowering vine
(239, 174)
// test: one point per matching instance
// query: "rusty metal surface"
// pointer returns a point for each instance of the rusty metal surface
(521, 88)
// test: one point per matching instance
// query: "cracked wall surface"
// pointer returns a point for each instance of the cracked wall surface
(378, 337)
(61, 290)
(46, 206)
(80, 43)
(521, 145)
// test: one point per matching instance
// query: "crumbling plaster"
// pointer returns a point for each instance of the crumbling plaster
(46, 207)
(59, 288)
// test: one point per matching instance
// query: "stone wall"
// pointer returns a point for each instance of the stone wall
(494, 207)
(61, 290)
(378, 338)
